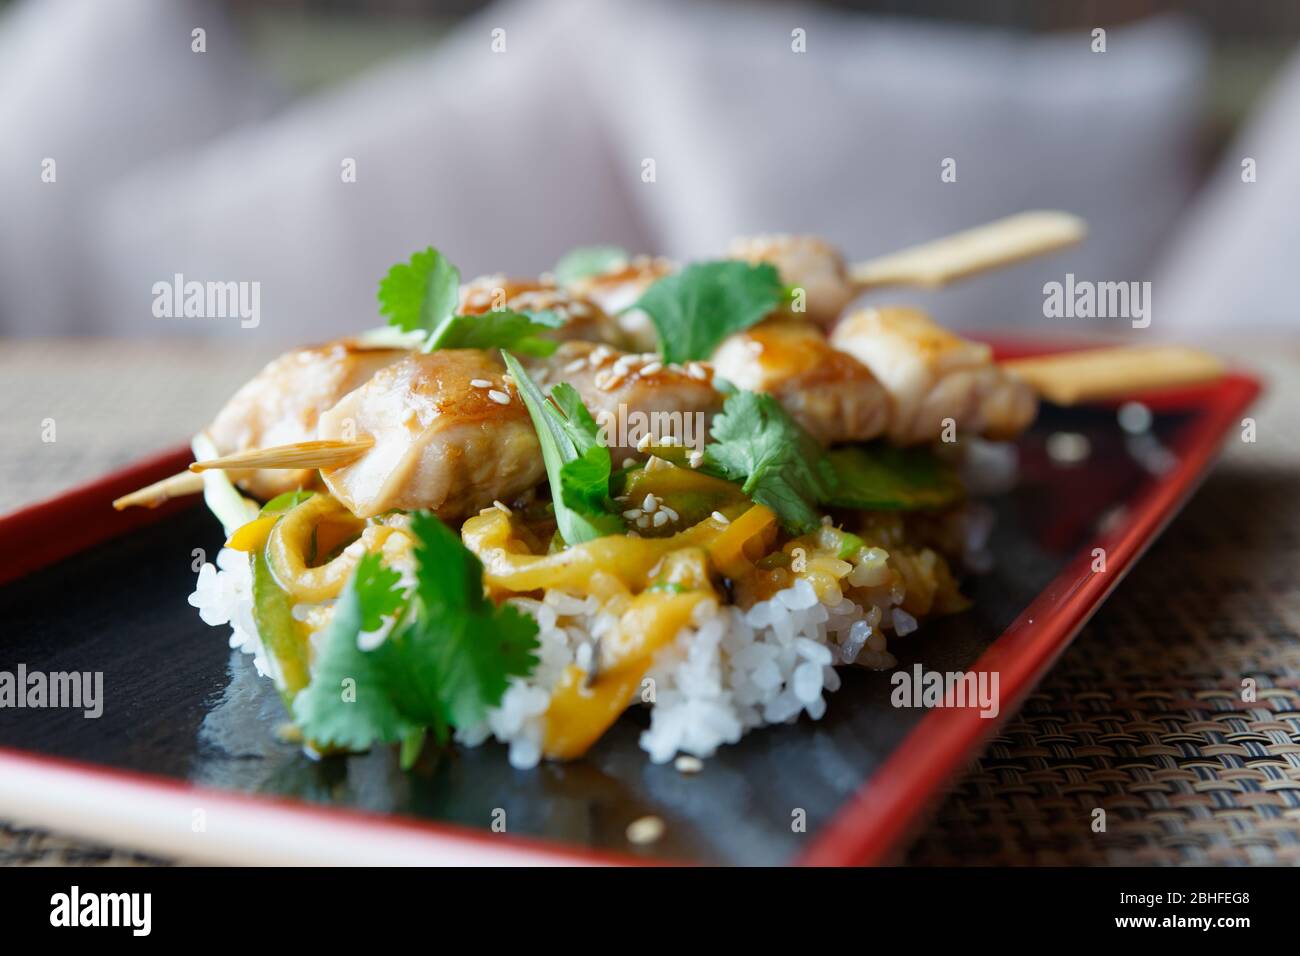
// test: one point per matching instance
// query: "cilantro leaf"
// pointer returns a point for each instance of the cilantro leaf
(449, 658)
(448, 576)
(589, 261)
(577, 464)
(698, 307)
(418, 296)
(504, 329)
(348, 703)
(447, 672)
(777, 463)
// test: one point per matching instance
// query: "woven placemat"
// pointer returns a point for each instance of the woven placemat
(1143, 718)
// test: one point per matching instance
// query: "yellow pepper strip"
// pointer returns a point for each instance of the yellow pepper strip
(252, 536)
(732, 552)
(508, 567)
(578, 713)
(288, 543)
(652, 621)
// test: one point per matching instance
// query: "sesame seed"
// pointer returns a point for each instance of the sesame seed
(644, 442)
(668, 441)
(501, 398)
(502, 507)
(480, 383)
(688, 764)
(651, 368)
(672, 515)
(612, 381)
(632, 514)
(645, 830)
(643, 521)
(575, 365)
(629, 462)
(650, 503)
(696, 458)
(719, 517)
(697, 371)
(660, 519)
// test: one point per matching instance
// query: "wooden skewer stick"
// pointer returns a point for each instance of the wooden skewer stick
(991, 246)
(1070, 378)
(304, 454)
(151, 496)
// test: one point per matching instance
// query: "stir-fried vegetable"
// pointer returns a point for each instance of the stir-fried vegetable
(880, 477)
(444, 652)
(282, 636)
(221, 496)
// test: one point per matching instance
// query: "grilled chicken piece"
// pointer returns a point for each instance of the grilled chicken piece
(931, 375)
(283, 402)
(632, 395)
(808, 263)
(449, 435)
(617, 289)
(829, 392)
(583, 318)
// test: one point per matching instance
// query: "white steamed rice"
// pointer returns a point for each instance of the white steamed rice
(727, 673)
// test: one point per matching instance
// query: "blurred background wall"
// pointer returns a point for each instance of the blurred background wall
(507, 133)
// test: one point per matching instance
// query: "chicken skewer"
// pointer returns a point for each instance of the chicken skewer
(581, 317)
(829, 283)
(935, 380)
(446, 430)
(895, 373)
(886, 371)
(282, 404)
(827, 391)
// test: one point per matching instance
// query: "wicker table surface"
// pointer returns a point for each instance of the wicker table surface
(1142, 718)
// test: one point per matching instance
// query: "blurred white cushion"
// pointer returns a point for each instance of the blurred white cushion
(98, 87)
(496, 158)
(1233, 263)
(506, 160)
(846, 139)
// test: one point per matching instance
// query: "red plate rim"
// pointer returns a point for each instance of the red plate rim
(869, 830)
